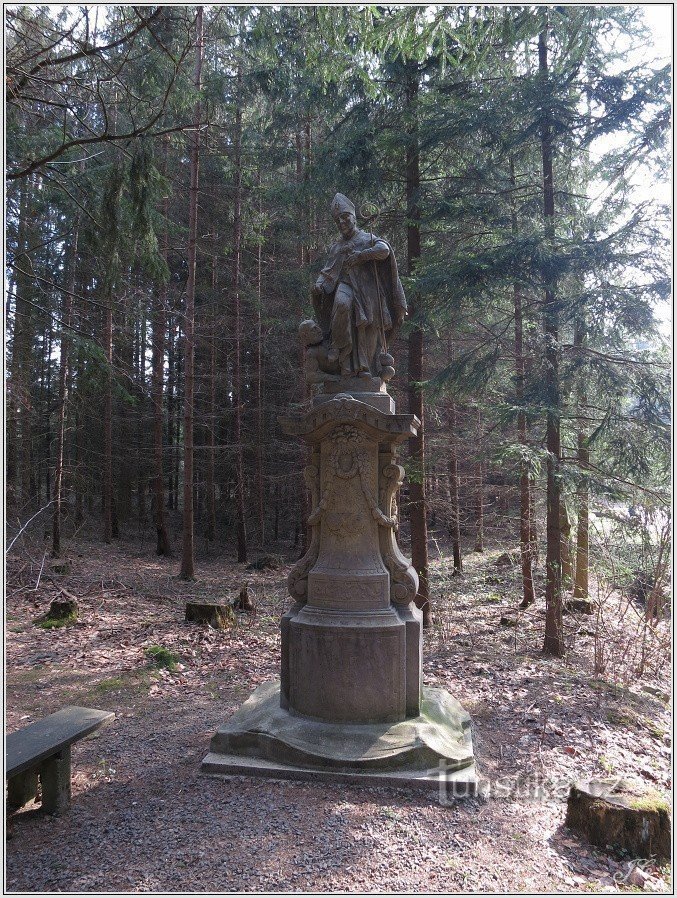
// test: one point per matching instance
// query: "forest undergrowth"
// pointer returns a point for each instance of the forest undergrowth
(137, 793)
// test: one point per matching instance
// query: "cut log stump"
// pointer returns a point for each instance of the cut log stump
(60, 609)
(220, 617)
(61, 612)
(582, 606)
(60, 566)
(245, 600)
(266, 563)
(621, 815)
(508, 558)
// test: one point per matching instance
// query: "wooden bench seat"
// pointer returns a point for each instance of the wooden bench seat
(43, 749)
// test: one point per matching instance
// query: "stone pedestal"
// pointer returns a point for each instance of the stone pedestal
(350, 694)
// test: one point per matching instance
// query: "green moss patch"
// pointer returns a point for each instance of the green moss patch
(161, 657)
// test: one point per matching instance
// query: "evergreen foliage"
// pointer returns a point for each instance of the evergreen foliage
(296, 103)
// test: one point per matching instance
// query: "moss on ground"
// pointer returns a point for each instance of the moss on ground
(52, 623)
(161, 657)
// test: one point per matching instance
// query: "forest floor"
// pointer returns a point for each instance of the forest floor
(144, 819)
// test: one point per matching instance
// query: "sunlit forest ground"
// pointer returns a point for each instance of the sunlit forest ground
(138, 794)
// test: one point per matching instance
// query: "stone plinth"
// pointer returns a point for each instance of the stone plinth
(350, 698)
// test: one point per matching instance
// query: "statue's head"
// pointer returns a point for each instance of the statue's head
(310, 332)
(343, 212)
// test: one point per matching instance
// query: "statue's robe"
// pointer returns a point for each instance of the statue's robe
(360, 303)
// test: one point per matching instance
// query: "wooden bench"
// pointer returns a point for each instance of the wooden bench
(43, 749)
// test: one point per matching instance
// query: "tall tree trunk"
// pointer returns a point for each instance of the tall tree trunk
(170, 408)
(46, 389)
(417, 497)
(108, 426)
(454, 509)
(188, 553)
(260, 503)
(479, 489)
(554, 635)
(210, 529)
(237, 328)
(21, 429)
(583, 489)
(178, 392)
(11, 431)
(526, 549)
(302, 175)
(159, 325)
(141, 466)
(111, 237)
(64, 358)
(565, 531)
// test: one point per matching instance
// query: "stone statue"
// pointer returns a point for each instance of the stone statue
(350, 704)
(358, 298)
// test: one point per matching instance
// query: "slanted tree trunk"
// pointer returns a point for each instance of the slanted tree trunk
(554, 634)
(64, 357)
(237, 328)
(417, 497)
(187, 571)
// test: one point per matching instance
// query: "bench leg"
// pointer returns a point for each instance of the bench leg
(21, 789)
(55, 776)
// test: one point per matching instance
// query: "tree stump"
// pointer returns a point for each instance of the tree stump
(220, 617)
(245, 600)
(508, 558)
(60, 566)
(266, 563)
(622, 815)
(507, 621)
(62, 609)
(581, 605)
(61, 613)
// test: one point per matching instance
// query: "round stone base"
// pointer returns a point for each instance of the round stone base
(272, 738)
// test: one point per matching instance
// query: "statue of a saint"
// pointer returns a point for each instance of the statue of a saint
(358, 298)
